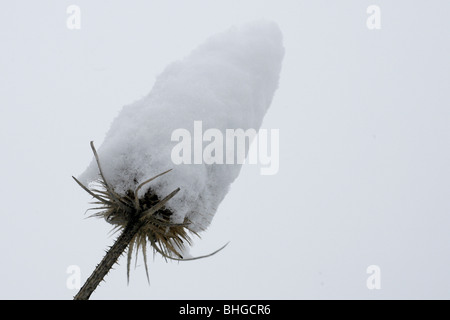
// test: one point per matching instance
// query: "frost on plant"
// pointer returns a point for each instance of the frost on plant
(148, 215)
(228, 82)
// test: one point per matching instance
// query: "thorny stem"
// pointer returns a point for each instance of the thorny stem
(114, 252)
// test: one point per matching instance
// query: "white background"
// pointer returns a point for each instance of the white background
(364, 120)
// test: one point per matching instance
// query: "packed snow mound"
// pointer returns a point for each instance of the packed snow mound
(228, 82)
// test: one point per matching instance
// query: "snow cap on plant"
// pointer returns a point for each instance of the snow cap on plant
(228, 82)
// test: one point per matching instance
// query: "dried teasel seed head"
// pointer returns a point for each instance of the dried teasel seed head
(147, 212)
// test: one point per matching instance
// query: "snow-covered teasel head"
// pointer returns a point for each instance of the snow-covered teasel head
(228, 82)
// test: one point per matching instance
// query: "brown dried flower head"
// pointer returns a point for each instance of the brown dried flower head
(147, 215)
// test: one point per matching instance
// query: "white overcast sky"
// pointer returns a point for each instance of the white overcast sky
(364, 178)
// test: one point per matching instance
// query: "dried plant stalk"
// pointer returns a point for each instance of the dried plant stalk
(112, 255)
